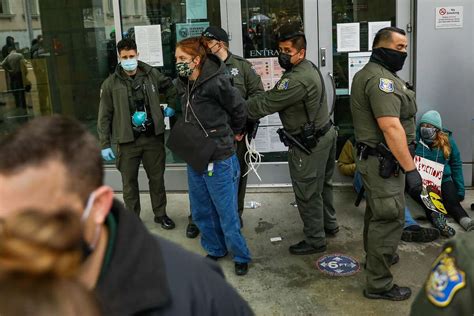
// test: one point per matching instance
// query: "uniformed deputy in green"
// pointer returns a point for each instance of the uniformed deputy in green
(130, 115)
(299, 98)
(383, 111)
(248, 82)
(448, 289)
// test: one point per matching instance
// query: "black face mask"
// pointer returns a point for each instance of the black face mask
(285, 61)
(428, 134)
(392, 59)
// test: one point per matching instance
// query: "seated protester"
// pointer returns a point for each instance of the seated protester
(212, 108)
(412, 231)
(56, 163)
(437, 144)
(40, 259)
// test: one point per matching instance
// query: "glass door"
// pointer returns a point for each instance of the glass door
(346, 30)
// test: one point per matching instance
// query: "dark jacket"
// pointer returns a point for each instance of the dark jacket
(114, 123)
(147, 275)
(216, 103)
(452, 166)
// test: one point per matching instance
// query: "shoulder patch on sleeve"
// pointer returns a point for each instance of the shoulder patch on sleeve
(283, 84)
(445, 279)
(386, 85)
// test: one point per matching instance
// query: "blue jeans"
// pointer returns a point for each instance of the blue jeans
(213, 199)
(409, 221)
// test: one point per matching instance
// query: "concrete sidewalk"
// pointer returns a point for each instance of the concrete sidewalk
(282, 284)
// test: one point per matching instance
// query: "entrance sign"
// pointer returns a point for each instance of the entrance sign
(338, 265)
(449, 17)
(185, 30)
(432, 174)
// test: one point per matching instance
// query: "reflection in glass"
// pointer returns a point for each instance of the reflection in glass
(261, 20)
(65, 48)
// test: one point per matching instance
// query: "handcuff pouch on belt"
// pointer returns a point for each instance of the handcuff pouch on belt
(388, 164)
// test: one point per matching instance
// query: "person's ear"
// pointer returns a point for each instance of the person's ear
(104, 197)
(197, 60)
(138, 54)
(302, 53)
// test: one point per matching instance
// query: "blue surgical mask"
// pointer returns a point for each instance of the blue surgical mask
(87, 249)
(129, 64)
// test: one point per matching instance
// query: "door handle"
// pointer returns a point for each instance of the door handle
(333, 83)
(323, 57)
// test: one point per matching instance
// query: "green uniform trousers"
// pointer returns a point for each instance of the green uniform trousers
(241, 151)
(311, 177)
(383, 222)
(150, 151)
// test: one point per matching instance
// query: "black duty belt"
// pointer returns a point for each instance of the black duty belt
(323, 130)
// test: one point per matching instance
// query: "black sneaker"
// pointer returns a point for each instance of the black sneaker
(396, 293)
(165, 221)
(422, 234)
(241, 268)
(192, 231)
(439, 221)
(303, 248)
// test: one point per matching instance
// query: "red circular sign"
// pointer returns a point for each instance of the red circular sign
(442, 11)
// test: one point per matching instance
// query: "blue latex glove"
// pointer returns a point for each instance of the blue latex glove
(108, 154)
(169, 112)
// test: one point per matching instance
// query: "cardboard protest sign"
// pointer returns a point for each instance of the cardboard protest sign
(432, 174)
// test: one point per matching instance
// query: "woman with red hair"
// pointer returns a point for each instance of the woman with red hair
(214, 109)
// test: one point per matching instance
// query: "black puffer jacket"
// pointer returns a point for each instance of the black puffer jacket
(216, 103)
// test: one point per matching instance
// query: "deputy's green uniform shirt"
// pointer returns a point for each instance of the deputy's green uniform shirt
(244, 76)
(302, 84)
(377, 92)
(114, 123)
(448, 289)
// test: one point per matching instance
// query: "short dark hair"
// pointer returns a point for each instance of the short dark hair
(385, 34)
(52, 138)
(126, 44)
(298, 42)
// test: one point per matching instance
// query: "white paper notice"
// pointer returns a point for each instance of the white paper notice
(449, 17)
(348, 37)
(357, 61)
(148, 39)
(374, 27)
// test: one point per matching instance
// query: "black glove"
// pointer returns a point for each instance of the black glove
(414, 183)
(28, 88)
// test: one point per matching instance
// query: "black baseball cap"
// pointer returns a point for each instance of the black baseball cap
(289, 31)
(216, 33)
